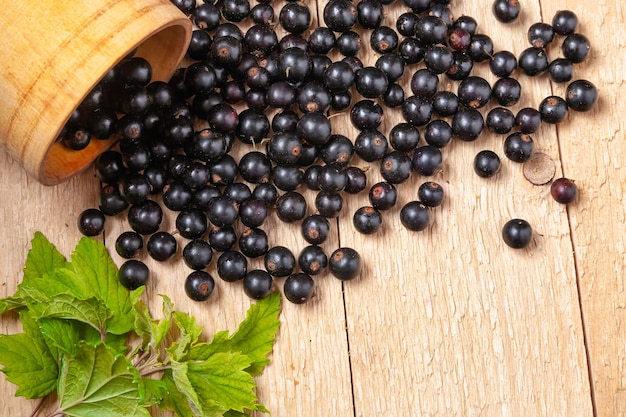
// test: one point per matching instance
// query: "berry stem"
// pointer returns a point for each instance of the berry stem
(38, 407)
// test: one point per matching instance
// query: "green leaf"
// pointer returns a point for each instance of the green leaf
(174, 400)
(61, 335)
(189, 334)
(88, 311)
(254, 337)
(11, 303)
(93, 264)
(42, 259)
(153, 332)
(222, 383)
(151, 391)
(185, 388)
(27, 361)
(97, 382)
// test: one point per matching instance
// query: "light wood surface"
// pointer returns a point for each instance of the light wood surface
(445, 322)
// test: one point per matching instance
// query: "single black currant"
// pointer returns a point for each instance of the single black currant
(367, 220)
(199, 285)
(299, 287)
(133, 274)
(344, 263)
(257, 284)
(517, 233)
(563, 190)
(91, 222)
(415, 216)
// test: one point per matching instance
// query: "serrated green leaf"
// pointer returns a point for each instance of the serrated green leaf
(143, 323)
(92, 262)
(89, 311)
(153, 332)
(254, 337)
(151, 391)
(61, 335)
(27, 361)
(11, 303)
(174, 400)
(185, 389)
(97, 382)
(43, 258)
(222, 383)
(189, 334)
(162, 327)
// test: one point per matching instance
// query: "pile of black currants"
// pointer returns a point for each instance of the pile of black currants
(178, 140)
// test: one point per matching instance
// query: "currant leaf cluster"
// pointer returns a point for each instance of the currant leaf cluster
(92, 346)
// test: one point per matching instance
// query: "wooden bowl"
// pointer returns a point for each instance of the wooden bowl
(53, 54)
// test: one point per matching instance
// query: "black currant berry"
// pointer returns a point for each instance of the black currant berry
(197, 254)
(415, 216)
(279, 261)
(199, 285)
(232, 266)
(367, 220)
(430, 193)
(298, 288)
(344, 263)
(128, 244)
(563, 190)
(553, 109)
(312, 260)
(145, 217)
(161, 246)
(517, 233)
(257, 284)
(383, 195)
(133, 274)
(315, 229)
(518, 147)
(506, 11)
(486, 164)
(91, 222)
(581, 95)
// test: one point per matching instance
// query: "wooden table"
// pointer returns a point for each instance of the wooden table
(445, 322)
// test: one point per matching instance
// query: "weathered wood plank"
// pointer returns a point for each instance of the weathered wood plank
(594, 154)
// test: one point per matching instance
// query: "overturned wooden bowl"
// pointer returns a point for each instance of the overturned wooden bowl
(53, 55)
